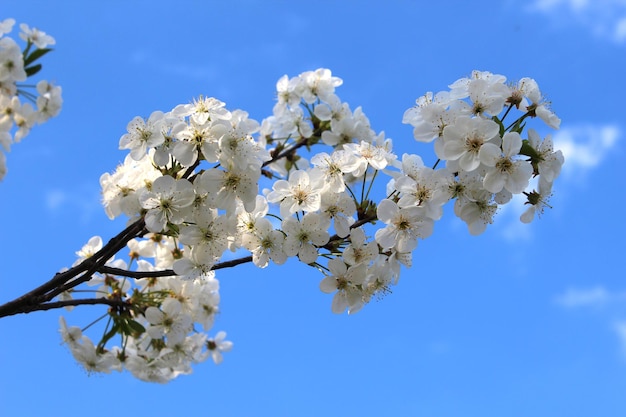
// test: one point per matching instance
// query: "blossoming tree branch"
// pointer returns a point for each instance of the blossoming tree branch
(192, 188)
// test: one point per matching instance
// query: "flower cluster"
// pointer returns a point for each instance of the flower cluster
(155, 317)
(192, 182)
(17, 118)
(486, 161)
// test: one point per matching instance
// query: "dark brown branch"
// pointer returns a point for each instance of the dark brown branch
(70, 303)
(356, 224)
(290, 151)
(166, 272)
(72, 277)
(135, 274)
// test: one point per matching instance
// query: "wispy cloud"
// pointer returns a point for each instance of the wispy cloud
(585, 146)
(604, 18)
(177, 68)
(588, 297)
(609, 304)
(82, 203)
(620, 328)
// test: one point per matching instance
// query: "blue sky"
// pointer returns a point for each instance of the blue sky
(524, 320)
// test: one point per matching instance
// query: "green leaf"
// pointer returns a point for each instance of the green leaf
(136, 328)
(30, 71)
(499, 122)
(531, 152)
(108, 335)
(37, 53)
(528, 150)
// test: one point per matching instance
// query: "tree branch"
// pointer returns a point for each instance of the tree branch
(63, 281)
(69, 303)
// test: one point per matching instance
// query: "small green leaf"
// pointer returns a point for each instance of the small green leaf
(108, 336)
(30, 71)
(528, 150)
(136, 327)
(37, 53)
(499, 122)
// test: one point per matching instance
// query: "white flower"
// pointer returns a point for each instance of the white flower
(142, 135)
(226, 187)
(422, 187)
(194, 264)
(317, 84)
(303, 237)
(403, 228)
(477, 210)
(286, 92)
(89, 249)
(25, 119)
(120, 189)
(347, 128)
(550, 161)
(150, 368)
(169, 321)
(348, 282)
(429, 116)
(165, 201)
(209, 232)
(194, 137)
(70, 335)
(202, 110)
(218, 345)
(375, 155)
(487, 95)
(49, 101)
(301, 193)
(38, 38)
(537, 200)
(504, 171)
(92, 358)
(265, 243)
(538, 107)
(339, 207)
(463, 140)
(11, 61)
(6, 26)
(334, 166)
(358, 251)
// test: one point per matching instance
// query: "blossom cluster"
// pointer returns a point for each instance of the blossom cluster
(195, 176)
(17, 118)
(156, 319)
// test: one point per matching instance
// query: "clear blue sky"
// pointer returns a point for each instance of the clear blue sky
(524, 320)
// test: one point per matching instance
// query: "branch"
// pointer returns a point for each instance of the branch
(69, 303)
(65, 280)
(166, 272)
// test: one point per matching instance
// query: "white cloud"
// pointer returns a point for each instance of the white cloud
(512, 229)
(620, 328)
(604, 18)
(609, 304)
(585, 146)
(589, 297)
(145, 58)
(84, 201)
(55, 199)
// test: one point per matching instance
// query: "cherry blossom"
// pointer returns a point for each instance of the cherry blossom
(201, 179)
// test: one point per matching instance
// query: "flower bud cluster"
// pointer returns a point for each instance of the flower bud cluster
(16, 117)
(193, 175)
